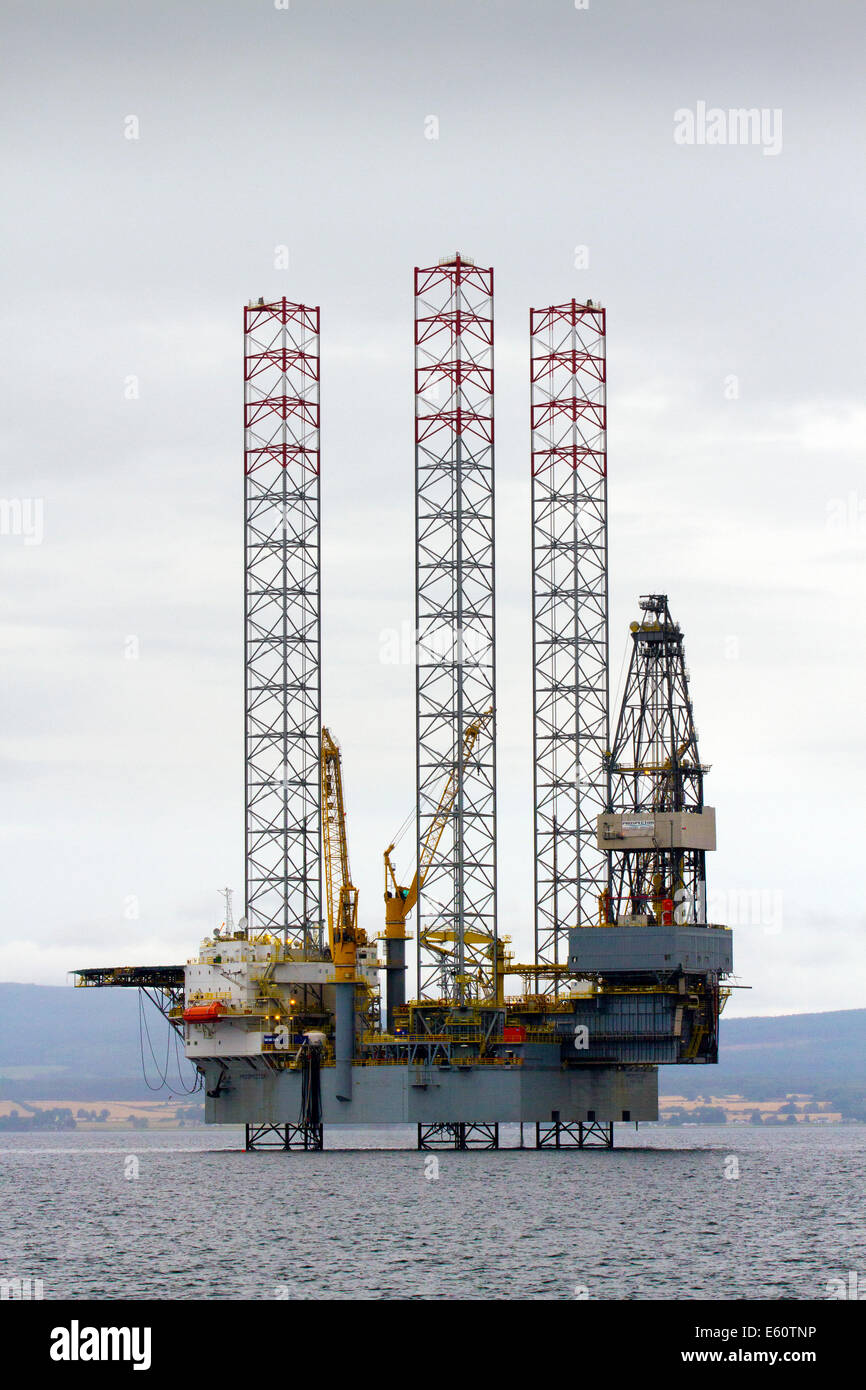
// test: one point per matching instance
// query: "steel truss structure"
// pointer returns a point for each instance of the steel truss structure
(455, 625)
(591, 1134)
(283, 1138)
(458, 1136)
(654, 765)
(570, 619)
(282, 621)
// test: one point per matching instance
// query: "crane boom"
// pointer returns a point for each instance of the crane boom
(399, 900)
(404, 899)
(340, 893)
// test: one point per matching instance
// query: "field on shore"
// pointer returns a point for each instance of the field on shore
(737, 1110)
(113, 1114)
(179, 1113)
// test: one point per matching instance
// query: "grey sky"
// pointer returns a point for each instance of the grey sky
(261, 128)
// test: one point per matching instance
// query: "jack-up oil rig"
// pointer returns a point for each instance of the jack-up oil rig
(282, 1013)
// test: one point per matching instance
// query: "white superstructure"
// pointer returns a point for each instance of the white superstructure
(242, 996)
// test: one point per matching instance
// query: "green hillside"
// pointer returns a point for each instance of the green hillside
(84, 1044)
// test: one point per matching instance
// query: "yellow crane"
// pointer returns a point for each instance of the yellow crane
(399, 899)
(344, 934)
(400, 903)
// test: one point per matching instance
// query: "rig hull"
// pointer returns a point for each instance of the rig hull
(539, 1091)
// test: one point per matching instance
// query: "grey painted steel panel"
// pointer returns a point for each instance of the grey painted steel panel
(628, 1028)
(483, 1094)
(344, 1038)
(653, 947)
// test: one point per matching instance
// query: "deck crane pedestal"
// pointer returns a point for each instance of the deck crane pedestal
(341, 897)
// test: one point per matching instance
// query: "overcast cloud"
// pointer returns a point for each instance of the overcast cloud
(734, 285)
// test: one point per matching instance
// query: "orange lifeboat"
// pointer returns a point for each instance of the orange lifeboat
(202, 1013)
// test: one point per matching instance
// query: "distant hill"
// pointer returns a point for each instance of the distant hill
(61, 1043)
(819, 1054)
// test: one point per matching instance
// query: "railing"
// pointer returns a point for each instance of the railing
(422, 1064)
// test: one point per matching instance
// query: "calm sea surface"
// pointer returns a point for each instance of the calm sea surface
(654, 1218)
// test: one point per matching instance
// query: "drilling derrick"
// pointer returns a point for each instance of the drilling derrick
(282, 623)
(657, 963)
(656, 776)
(455, 627)
(570, 622)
